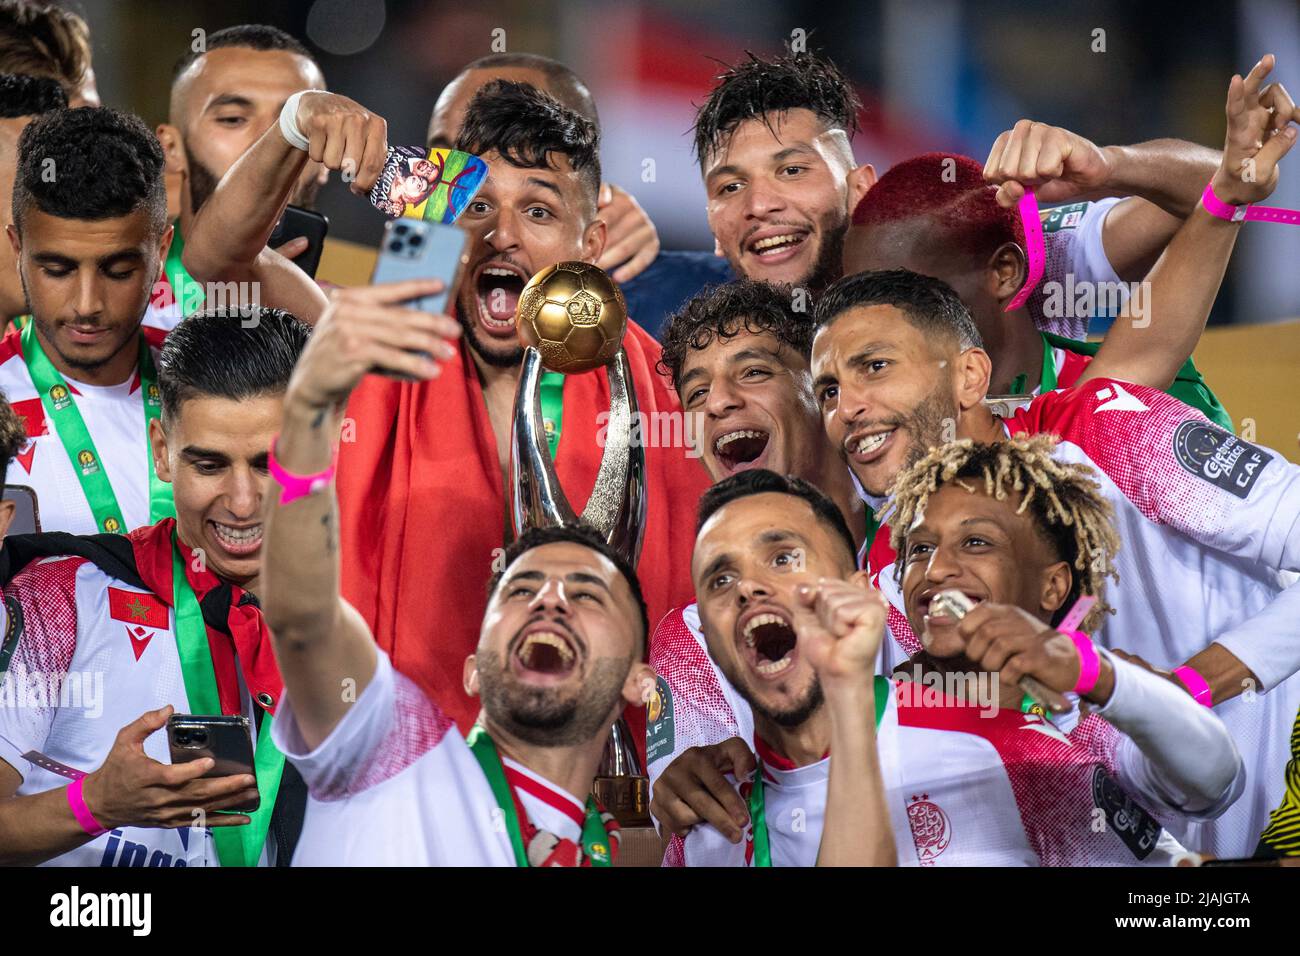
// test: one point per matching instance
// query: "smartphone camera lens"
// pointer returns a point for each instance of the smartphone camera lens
(416, 240)
(397, 245)
(193, 738)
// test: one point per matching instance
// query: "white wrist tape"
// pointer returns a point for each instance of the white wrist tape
(289, 122)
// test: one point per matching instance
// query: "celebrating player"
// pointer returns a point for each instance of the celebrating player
(560, 653)
(962, 778)
(90, 235)
(128, 630)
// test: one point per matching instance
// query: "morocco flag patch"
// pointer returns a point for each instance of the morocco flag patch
(141, 613)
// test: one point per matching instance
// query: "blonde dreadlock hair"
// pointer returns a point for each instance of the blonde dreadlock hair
(1064, 499)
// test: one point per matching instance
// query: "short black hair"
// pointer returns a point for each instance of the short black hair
(755, 88)
(251, 36)
(229, 353)
(930, 304)
(564, 84)
(29, 95)
(524, 124)
(721, 312)
(12, 436)
(588, 537)
(90, 163)
(760, 481)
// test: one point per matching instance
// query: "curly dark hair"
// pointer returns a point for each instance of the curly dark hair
(44, 39)
(724, 311)
(12, 436)
(756, 88)
(29, 95)
(930, 304)
(524, 125)
(90, 163)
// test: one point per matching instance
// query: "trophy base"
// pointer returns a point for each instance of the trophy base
(628, 798)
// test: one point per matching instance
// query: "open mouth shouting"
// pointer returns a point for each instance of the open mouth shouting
(777, 244)
(497, 287)
(767, 641)
(238, 540)
(545, 652)
(741, 449)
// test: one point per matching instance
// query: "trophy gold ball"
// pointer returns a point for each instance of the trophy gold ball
(574, 315)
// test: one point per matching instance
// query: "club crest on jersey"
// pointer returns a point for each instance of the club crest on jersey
(931, 828)
(60, 396)
(86, 459)
(143, 615)
(1219, 457)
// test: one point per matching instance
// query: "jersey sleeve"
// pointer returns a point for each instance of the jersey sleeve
(36, 651)
(390, 726)
(1073, 247)
(691, 710)
(1183, 472)
(1175, 752)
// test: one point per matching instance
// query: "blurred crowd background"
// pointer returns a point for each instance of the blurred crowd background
(933, 74)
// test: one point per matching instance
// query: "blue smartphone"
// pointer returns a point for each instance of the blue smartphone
(416, 249)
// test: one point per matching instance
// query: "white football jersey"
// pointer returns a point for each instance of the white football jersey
(1075, 259)
(114, 416)
(395, 784)
(90, 656)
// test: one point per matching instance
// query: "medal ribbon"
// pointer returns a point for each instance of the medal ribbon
(1048, 381)
(183, 284)
(236, 846)
(56, 399)
(595, 839)
(758, 802)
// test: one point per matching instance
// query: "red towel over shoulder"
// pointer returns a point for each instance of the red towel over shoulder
(423, 509)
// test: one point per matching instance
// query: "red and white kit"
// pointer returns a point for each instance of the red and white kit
(1208, 524)
(969, 787)
(91, 656)
(395, 784)
(114, 416)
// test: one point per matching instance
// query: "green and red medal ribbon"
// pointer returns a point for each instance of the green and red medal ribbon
(236, 846)
(61, 410)
(595, 839)
(757, 800)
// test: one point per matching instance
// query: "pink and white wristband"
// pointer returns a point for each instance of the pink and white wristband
(297, 486)
(85, 819)
(1247, 213)
(1089, 662)
(1196, 685)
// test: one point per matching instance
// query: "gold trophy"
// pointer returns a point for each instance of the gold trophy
(571, 319)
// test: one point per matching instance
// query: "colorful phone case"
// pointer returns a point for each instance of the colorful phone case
(430, 184)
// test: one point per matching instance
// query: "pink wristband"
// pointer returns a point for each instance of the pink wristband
(297, 486)
(1195, 684)
(1033, 227)
(1089, 662)
(1247, 213)
(85, 818)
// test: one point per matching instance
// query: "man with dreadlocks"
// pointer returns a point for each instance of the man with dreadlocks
(965, 785)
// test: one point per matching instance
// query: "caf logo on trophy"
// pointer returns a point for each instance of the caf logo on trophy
(571, 319)
(574, 315)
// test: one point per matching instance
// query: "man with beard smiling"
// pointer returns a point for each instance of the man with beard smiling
(90, 241)
(167, 617)
(222, 100)
(422, 478)
(559, 655)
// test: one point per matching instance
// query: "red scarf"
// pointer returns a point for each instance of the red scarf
(249, 640)
(422, 508)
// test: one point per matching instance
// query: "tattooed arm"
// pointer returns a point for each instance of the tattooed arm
(320, 640)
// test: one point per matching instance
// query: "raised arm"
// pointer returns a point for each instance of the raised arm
(1159, 328)
(227, 242)
(840, 625)
(325, 650)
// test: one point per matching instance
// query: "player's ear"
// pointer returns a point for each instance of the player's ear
(640, 685)
(1006, 272)
(158, 448)
(15, 240)
(974, 369)
(173, 150)
(1058, 579)
(164, 246)
(7, 509)
(470, 676)
(860, 181)
(593, 240)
